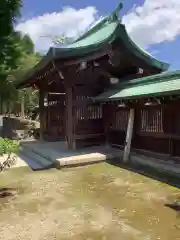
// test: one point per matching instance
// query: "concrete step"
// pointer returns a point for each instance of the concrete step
(47, 153)
(33, 164)
(36, 161)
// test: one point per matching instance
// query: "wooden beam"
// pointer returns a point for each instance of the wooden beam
(105, 73)
(58, 71)
(86, 58)
(129, 135)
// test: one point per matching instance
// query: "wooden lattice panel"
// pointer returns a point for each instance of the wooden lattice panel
(151, 120)
(55, 115)
(89, 112)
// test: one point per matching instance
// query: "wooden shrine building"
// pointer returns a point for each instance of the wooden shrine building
(104, 88)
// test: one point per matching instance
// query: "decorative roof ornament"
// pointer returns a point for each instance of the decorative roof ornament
(114, 80)
(83, 65)
(140, 70)
(115, 13)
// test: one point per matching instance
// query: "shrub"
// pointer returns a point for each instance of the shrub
(8, 150)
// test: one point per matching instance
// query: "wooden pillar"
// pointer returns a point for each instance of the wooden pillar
(169, 116)
(105, 122)
(22, 107)
(171, 120)
(69, 118)
(41, 112)
(129, 134)
(108, 114)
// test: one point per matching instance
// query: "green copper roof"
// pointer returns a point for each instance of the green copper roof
(100, 36)
(157, 85)
(95, 41)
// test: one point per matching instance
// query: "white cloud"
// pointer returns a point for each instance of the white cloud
(69, 22)
(154, 22)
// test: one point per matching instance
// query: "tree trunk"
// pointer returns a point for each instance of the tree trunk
(8, 109)
(22, 108)
(1, 107)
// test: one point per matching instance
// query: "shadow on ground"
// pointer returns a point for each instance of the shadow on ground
(174, 206)
(156, 174)
(7, 192)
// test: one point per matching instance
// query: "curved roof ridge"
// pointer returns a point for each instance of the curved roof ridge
(114, 14)
(139, 52)
(110, 18)
(123, 34)
(92, 30)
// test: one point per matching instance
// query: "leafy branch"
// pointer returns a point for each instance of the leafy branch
(8, 148)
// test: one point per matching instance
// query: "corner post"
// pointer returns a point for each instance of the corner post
(41, 112)
(129, 134)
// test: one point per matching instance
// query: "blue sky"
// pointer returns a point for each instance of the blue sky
(152, 24)
(39, 7)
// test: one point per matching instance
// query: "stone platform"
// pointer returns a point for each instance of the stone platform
(43, 155)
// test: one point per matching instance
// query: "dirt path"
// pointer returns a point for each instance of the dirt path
(94, 202)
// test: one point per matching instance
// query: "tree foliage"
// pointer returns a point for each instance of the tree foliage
(8, 149)
(28, 96)
(16, 57)
(12, 99)
(27, 44)
(9, 12)
(9, 42)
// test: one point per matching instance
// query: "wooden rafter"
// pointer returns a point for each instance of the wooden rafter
(58, 71)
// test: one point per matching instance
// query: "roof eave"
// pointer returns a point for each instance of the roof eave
(138, 52)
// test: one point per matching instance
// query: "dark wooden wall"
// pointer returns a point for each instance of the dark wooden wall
(87, 116)
(156, 129)
(55, 117)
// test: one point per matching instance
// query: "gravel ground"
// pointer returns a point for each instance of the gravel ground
(94, 202)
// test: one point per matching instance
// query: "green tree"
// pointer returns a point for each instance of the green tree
(13, 100)
(26, 99)
(10, 49)
(9, 12)
(27, 44)
(8, 150)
